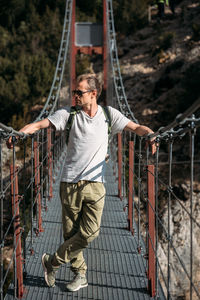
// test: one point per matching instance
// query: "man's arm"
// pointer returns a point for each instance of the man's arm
(31, 128)
(138, 129)
(141, 130)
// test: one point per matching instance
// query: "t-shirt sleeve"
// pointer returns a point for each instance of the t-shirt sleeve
(118, 120)
(60, 117)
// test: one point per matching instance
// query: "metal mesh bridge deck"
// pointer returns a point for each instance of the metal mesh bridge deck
(116, 270)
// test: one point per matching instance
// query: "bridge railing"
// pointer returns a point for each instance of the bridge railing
(160, 194)
(25, 192)
(24, 197)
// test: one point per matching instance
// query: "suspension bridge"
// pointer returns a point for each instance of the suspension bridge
(136, 255)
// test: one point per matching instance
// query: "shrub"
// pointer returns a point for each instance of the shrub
(82, 64)
(165, 40)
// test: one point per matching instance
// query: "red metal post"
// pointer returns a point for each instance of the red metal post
(119, 138)
(73, 51)
(50, 163)
(130, 185)
(37, 185)
(17, 229)
(151, 237)
(104, 48)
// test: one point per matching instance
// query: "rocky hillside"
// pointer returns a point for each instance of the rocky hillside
(160, 65)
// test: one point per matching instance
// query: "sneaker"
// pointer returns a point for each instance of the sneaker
(79, 281)
(49, 270)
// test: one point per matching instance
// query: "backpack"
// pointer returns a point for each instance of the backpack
(74, 110)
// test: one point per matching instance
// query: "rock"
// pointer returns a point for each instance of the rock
(177, 218)
(148, 111)
(7, 256)
(6, 159)
(194, 53)
(180, 233)
(132, 69)
(163, 57)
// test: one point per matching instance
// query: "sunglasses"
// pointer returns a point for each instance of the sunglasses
(80, 93)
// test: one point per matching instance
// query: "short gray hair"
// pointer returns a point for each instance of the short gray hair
(93, 82)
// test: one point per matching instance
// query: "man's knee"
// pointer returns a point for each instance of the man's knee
(90, 236)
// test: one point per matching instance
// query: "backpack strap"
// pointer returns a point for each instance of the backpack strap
(73, 111)
(108, 119)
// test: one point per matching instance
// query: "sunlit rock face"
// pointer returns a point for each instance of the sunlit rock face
(180, 231)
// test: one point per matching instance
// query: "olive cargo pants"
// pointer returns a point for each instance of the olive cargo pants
(82, 207)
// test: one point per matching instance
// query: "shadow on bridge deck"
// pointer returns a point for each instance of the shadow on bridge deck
(115, 269)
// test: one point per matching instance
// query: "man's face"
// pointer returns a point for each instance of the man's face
(88, 96)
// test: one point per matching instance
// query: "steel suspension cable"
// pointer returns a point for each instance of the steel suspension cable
(58, 76)
(117, 78)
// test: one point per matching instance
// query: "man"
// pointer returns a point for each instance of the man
(161, 8)
(82, 189)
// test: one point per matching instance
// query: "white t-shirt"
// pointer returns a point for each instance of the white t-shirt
(88, 142)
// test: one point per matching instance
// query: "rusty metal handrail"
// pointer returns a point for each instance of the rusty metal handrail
(126, 142)
(39, 184)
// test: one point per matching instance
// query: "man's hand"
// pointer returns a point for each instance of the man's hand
(9, 142)
(142, 130)
(152, 143)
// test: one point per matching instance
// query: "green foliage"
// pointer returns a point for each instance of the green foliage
(28, 54)
(162, 43)
(130, 15)
(23, 81)
(82, 64)
(11, 12)
(30, 33)
(5, 39)
(165, 40)
(91, 11)
(20, 120)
